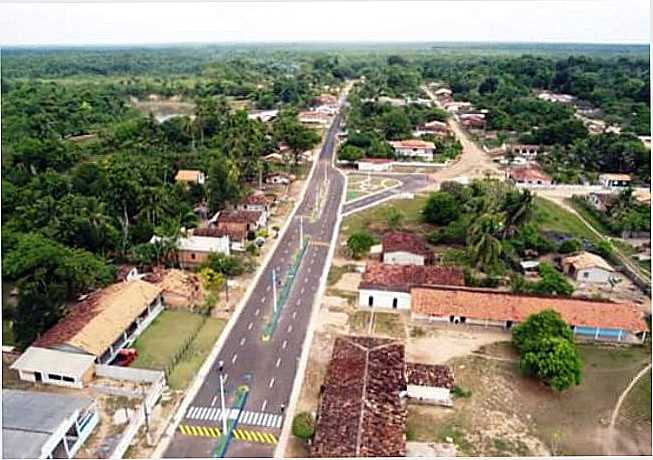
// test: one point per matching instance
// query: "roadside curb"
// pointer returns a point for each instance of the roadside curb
(168, 433)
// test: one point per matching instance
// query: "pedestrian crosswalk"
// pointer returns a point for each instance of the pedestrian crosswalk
(205, 431)
(255, 436)
(214, 414)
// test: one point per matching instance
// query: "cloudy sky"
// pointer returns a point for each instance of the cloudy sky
(591, 21)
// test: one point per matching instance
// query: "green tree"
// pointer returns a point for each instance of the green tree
(555, 361)
(303, 426)
(547, 323)
(212, 281)
(359, 243)
(441, 208)
(518, 209)
(483, 244)
(223, 182)
(569, 246)
(394, 218)
(227, 265)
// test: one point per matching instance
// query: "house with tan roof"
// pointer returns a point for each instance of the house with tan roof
(414, 148)
(589, 319)
(190, 176)
(615, 180)
(529, 175)
(93, 332)
(588, 268)
(402, 248)
(388, 286)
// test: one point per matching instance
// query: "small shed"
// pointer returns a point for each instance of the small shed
(55, 367)
(429, 384)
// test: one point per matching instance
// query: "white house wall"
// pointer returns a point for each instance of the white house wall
(384, 299)
(402, 258)
(593, 275)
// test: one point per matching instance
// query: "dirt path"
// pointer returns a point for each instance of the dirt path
(613, 419)
(472, 163)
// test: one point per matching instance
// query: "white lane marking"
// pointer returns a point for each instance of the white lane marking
(215, 398)
(264, 420)
(191, 412)
(309, 269)
(233, 360)
(284, 344)
(249, 327)
(267, 289)
(289, 329)
(271, 384)
(303, 290)
(294, 315)
(216, 416)
(305, 280)
(242, 341)
(255, 420)
(212, 413)
(263, 299)
(203, 413)
(225, 378)
(258, 310)
(278, 421)
(277, 365)
(298, 302)
(265, 404)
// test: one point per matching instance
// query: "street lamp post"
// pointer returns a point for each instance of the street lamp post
(274, 290)
(224, 412)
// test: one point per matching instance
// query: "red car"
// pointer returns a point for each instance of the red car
(125, 357)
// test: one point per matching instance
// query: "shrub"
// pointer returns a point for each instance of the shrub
(441, 208)
(359, 243)
(546, 323)
(303, 426)
(460, 392)
(569, 246)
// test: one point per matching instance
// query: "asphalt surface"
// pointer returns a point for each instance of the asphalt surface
(409, 183)
(268, 368)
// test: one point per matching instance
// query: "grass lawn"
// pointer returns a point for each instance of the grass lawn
(549, 216)
(390, 324)
(525, 416)
(200, 349)
(374, 218)
(167, 334)
(588, 216)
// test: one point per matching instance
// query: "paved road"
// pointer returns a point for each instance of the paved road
(268, 368)
(409, 183)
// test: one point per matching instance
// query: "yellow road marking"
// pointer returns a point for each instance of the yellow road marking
(205, 431)
(242, 435)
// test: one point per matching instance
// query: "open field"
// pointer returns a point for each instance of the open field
(549, 216)
(588, 216)
(374, 219)
(509, 414)
(167, 335)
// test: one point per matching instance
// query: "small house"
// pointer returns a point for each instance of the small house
(615, 180)
(403, 248)
(190, 176)
(429, 384)
(236, 232)
(529, 175)
(601, 201)
(588, 268)
(279, 178)
(414, 148)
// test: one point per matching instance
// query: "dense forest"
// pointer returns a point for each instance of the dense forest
(88, 178)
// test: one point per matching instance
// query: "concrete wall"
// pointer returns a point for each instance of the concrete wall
(384, 299)
(50, 380)
(191, 259)
(402, 258)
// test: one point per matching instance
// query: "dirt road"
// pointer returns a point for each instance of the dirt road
(472, 163)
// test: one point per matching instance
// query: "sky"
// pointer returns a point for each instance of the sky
(559, 21)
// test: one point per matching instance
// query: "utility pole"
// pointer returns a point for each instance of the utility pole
(226, 289)
(224, 411)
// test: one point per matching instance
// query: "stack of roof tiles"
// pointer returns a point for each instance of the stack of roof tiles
(430, 375)
(360, 412)
(402, 277)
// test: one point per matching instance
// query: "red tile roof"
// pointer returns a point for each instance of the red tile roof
(360, 413)
(504, 306)
(412, 144)
(432, 375)
(258, 199)
(529, 173)
(249, 217)
(233, 232)
(403, 277)
(408, 242)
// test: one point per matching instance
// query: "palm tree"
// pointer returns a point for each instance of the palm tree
(517, 209)
(483, 243)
